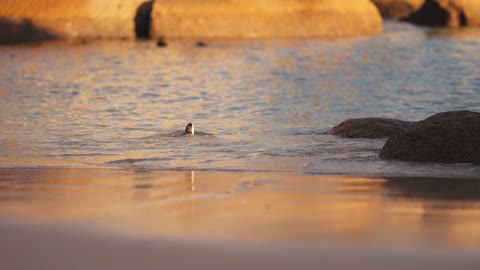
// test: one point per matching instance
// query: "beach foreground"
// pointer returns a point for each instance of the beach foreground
(123, 219)
(71, 247)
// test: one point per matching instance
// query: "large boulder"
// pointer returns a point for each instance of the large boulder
(253, 19)
(452, 13)
(449, 137)
(372, 127)
(33, 19)
(398, 9)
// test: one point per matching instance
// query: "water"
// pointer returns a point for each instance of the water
(261, 105)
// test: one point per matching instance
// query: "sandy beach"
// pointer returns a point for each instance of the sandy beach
(66, 246)
(124, 219)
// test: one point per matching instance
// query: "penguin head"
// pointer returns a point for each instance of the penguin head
(190, 129)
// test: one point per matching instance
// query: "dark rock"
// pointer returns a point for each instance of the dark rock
(201, 44)
(449, 137)
(452, 13)
(397, 9)
(431, 14)
(161, 42)
(372, 127)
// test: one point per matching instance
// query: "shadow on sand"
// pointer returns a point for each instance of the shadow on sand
(22, 31)
(143, 20)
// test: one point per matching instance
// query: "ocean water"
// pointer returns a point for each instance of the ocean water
(256, 105)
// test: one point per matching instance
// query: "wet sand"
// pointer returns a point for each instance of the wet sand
(71, 247)
(124, 219)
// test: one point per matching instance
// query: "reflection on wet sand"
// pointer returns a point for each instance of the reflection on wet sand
(445, 189)
(448, 209)
(250, 206)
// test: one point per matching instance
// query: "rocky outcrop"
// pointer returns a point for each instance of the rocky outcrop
(368, 128)
(69, 19)
(250, 19)
(192, 19)
(449, 137)
(452, 13)
(398, 9)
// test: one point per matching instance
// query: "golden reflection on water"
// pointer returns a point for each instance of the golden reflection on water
(250, 206)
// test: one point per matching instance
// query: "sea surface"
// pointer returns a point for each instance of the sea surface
(256, 105)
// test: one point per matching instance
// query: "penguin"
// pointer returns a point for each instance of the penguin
(189, 129)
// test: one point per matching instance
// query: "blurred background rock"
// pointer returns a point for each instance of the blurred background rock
(32, 20)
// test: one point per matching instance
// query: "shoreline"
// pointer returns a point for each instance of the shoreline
(374, 174)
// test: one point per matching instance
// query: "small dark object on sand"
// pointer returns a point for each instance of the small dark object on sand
(161, 42)
(201, 44)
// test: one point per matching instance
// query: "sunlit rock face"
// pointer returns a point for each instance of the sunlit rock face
(452, 13)
(254, 19)
(69, 18)
(397, 9)
(371, 127)
(449, 137)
